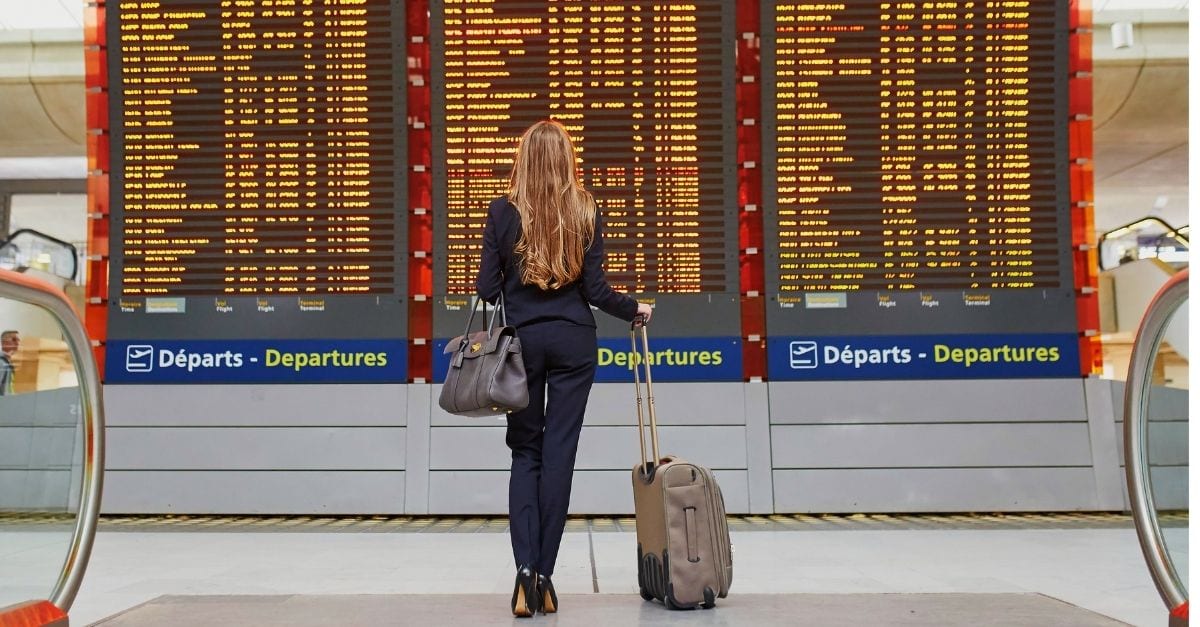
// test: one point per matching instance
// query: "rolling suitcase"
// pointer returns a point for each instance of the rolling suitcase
(685, 558)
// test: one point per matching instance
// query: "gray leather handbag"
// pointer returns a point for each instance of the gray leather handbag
(487, 373)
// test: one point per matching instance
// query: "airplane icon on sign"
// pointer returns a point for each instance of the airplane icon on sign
(139, 358)
(802, 355)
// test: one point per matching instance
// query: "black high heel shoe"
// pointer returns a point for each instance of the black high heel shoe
(525, 594)
(547, 596)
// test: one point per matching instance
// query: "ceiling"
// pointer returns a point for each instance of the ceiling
(26, 14)
(1141, 143)
(1137, 5)
(1140, 118)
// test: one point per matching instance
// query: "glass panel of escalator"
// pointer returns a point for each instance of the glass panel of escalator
(1149, 238)
(41, 451)
(40, 255)
(1168, 439)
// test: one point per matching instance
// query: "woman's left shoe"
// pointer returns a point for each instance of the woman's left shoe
(525, 595)
(549, 598)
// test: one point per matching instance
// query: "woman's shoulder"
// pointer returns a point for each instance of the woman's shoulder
(501, 208)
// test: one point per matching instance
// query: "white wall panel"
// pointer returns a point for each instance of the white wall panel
(256, 448)
(593, 492)
(1010, 445)
(715, 403)
(600, 448)
(930, 445)
(935, 490)
(253, 492)
(1003, 400)
(336, 405)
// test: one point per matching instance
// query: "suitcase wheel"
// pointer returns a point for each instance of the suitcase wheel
(645, 594)
(710, 599)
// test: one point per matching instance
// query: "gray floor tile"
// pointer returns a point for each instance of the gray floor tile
(1100, 570)
(601, 610)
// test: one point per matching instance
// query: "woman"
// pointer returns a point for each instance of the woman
(543, 249)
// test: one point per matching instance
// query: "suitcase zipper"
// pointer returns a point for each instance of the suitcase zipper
(722, 530)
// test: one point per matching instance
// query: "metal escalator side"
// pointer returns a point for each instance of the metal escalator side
(67, 385)
(1168, 300)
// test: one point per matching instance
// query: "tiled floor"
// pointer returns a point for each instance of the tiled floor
(606, 610)
(1098, 567)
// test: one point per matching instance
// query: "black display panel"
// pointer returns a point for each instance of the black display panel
(257, 170)
(916, 167)
(646, 90)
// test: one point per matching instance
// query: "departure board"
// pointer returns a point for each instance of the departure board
(645, 89)
(918, 157)
(258, 168)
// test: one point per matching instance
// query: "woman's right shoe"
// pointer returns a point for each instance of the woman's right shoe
(525, 593)
(548, 598)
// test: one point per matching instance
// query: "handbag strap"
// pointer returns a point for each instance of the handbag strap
(488, 325)
(471, 318)
(498, 309)
(461, 351)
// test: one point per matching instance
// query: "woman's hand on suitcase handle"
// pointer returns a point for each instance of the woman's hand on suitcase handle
(643, 314)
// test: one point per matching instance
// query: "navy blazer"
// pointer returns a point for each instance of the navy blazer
(527, 304)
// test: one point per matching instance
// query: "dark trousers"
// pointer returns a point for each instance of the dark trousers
(560, 362)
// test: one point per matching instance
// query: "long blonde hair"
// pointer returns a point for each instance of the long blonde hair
(557, 214)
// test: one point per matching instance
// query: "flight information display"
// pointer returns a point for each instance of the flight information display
(257, 175)
(258, 168)
(645, 90)
(918, 154)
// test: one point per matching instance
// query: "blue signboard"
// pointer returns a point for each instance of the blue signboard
(256, 361)
(671, 359)
(923, 357)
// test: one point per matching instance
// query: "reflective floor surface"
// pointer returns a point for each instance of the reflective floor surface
(604, 610)
(1097, 567)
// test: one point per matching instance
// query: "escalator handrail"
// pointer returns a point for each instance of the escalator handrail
(1137, 470)
(26, 289)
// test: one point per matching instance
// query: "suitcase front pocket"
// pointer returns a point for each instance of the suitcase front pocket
(689, 545)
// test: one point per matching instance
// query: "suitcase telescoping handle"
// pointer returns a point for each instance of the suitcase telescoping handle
(643, 356)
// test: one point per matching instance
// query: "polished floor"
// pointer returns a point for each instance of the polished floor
(596, 610)
(804, 566)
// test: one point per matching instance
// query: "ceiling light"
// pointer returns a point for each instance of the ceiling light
(1122, 35)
